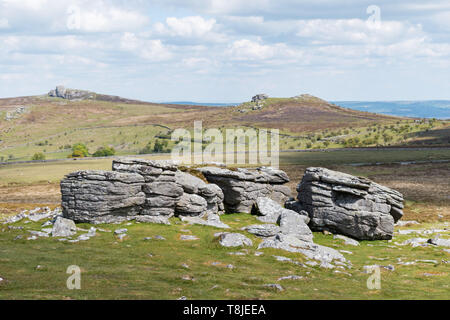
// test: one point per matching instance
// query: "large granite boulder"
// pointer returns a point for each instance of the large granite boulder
(100, 196)
(348, 205)
(241, 187)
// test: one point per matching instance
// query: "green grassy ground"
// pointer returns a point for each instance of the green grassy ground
(113, 269)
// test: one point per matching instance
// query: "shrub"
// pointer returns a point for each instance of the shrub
(79, 150)
(38, 156)
(77, 154)
(104, 152)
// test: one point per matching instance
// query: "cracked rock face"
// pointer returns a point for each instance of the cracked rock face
(138, 189)
(348, 205)
(241, 187)
(92, 196)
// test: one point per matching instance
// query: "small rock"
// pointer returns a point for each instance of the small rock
(120, 231)
(263, 230)
(439, 242)
(347, 240)
(184, 265)
(122, 236)
(188, 278)
(290, 278)
(185, 237)
(63, 227)
(280, 258)
(234, 240)
(159, 238)
(275, 286)
(230, 266)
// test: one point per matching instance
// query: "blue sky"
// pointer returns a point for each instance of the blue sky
(227, 50)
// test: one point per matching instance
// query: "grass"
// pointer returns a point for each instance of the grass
(113, 269)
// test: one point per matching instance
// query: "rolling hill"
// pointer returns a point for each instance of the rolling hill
(51, 125)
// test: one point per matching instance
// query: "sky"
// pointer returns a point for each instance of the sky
(227, 50)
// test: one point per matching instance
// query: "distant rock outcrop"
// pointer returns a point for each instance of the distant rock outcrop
(71, 94)
(260, 97)
(17, 113)
(348, 205)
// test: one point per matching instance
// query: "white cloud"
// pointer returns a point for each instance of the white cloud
(26, 4)
(252, 50)
(111, 19)
(356, 31)
(4, 23)
(148, 49)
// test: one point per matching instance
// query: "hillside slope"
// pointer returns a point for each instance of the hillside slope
(51, 125)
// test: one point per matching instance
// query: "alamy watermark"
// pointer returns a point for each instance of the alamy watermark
(374, 20)
(374, 280)
(74, 281)
(229, 146)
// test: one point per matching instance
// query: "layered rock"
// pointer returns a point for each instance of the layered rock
(138, 189)
(241, 187)
(348, 205)
(162, 193)
(170, 191)
(198, 195)
(101, 196)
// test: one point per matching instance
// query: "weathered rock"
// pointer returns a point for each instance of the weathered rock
(169, 191)
(212, 194)
(185, 237)
(440, 242)
(153, 219)
(211, 220)
(63, 228)
(191, 205)
(242, 187)
(348, 205)
(275, 286)
(151, 170)
(120, 231)
(263, 230)
(234, 240)
(294, 224)
(347, 240)
(89, 196)
(309, 249)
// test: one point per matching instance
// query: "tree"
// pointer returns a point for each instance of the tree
(79, 150)
(158, 147)
(38, 156)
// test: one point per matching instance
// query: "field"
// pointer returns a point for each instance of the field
(154, 269)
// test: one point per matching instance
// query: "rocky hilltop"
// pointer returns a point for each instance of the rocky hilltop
(77, 95)
(71, 94)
